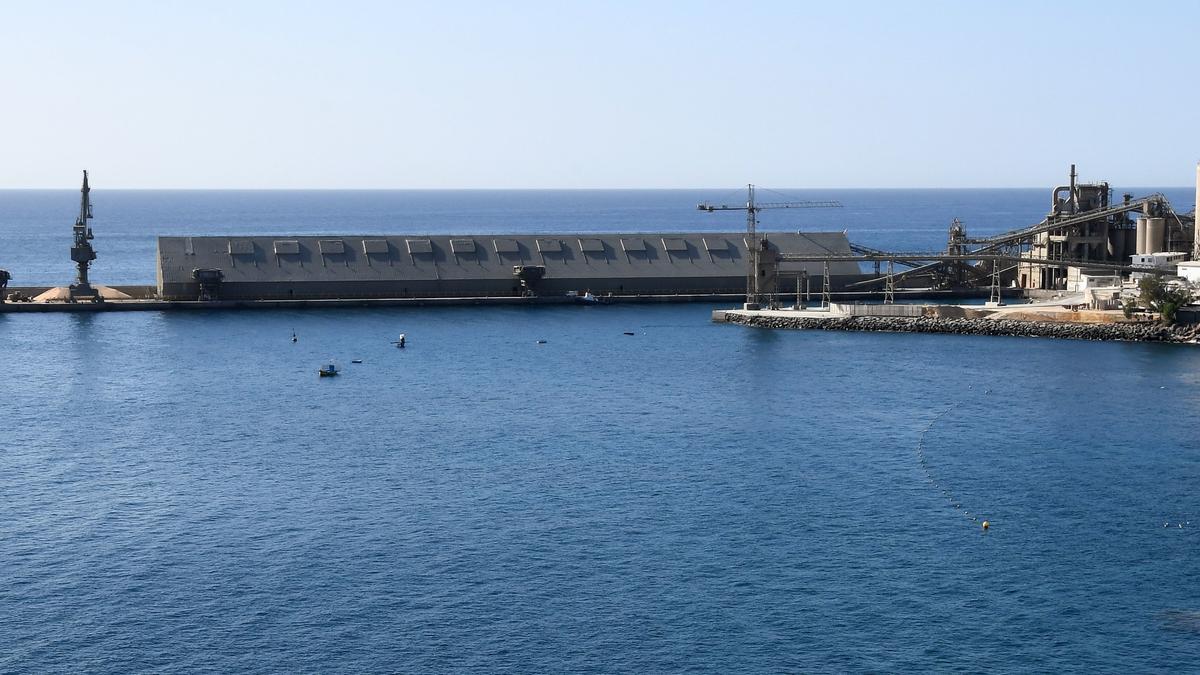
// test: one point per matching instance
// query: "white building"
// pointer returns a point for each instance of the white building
(1080, 279)
(1162, 261)
(1189, 271)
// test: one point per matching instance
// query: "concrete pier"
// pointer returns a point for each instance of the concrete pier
(144, 301)
(212, 305)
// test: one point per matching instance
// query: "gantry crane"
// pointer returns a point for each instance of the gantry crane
(754, 252)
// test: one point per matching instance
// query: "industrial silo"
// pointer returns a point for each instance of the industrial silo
(1156, 234)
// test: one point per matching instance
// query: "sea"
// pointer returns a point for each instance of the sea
(535, 490)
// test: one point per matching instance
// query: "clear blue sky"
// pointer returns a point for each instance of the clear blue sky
(597, 95)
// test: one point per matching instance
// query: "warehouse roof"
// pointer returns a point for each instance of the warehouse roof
(444, 257)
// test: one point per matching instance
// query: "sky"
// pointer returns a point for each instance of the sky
(640, 94)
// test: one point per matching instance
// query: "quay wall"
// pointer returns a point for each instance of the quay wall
(144, 301)
(877, 310)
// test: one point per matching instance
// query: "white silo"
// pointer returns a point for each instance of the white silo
(1156, 234)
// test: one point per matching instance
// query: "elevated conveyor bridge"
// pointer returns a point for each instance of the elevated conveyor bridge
(942, 258)
(1010, 246)
(1047, 225)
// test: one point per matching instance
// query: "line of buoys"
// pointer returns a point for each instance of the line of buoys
(954, 502)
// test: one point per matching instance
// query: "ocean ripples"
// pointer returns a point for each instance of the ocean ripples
(702, 498)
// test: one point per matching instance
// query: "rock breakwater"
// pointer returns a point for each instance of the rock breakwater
(1130, 332)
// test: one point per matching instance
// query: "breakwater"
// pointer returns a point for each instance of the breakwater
(1130, 332)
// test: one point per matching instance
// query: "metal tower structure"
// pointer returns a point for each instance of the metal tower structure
(889, 290)
(754, 291)
(81, 250)
(994, 297)
(826, 294)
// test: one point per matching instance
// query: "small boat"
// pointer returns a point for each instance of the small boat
(400, 342)
(356, 361)
(588, 298)
(293, 336)
(328, 371)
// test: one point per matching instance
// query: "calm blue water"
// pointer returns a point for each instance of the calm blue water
(182, 492)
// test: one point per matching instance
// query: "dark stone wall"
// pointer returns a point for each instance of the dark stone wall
(1135, 332)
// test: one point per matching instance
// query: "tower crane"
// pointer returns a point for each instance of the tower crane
(753, 246)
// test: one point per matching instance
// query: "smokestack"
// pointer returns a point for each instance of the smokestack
(1196, 214)
(1074, 194)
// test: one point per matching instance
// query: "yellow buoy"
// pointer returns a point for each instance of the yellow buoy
(986, 524)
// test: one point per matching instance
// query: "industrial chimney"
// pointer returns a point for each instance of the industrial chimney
(1196, 214)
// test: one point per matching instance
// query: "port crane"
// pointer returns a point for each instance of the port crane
(81, 251)
(754, 245)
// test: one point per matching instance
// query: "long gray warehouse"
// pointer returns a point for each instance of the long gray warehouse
(337, 266)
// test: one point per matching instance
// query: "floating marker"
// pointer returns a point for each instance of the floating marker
(986, 525)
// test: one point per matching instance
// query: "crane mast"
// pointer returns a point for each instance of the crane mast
(81, 249)
(754, 245)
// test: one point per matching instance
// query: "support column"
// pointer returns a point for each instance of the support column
(889, 290)
(826, 296)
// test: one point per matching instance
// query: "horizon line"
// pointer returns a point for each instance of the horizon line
(542, 189)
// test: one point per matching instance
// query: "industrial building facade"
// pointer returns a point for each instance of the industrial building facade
(418, 266)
